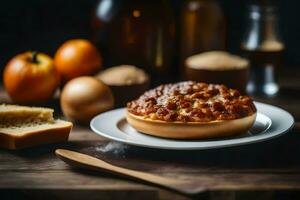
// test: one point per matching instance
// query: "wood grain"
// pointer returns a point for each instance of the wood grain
(85, 161)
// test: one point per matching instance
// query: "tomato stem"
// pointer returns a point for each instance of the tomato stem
(34, 57)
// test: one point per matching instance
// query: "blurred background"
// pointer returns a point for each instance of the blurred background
(44, 25)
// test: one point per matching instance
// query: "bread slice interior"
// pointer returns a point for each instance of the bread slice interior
(12, 114)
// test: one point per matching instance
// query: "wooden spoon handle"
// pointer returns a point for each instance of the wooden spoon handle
(88, 162)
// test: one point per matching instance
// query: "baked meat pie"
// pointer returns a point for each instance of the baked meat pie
(191, 110)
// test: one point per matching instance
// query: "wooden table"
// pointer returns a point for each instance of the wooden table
(270, 168)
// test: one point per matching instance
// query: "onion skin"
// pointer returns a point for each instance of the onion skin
(84, 97)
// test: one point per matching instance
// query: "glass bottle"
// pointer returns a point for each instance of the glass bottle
(202, 28)
(135, 32)
(263, 46)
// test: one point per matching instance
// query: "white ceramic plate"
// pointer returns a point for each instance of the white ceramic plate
(271, 121)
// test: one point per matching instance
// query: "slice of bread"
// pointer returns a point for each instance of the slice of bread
(22, 126)
(14, 113)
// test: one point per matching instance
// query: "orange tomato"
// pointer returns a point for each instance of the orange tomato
(77, 57)
(30, 78)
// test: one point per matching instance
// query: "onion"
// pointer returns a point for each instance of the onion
(84, 97)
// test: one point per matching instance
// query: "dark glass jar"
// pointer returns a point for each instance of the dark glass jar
(263, 46)
(202, 28)
(135, 32)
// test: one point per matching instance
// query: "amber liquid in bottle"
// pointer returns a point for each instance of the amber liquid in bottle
(264, 71)
(264, 49)
(202, 28)
(140, 33)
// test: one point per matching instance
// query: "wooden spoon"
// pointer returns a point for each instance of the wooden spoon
(88, 162)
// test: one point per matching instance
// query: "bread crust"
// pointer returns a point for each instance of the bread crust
(191, 130)
(37, 137)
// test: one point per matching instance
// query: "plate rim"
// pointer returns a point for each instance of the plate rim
(242, 141)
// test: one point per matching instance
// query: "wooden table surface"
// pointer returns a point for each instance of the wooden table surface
(271, 167)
